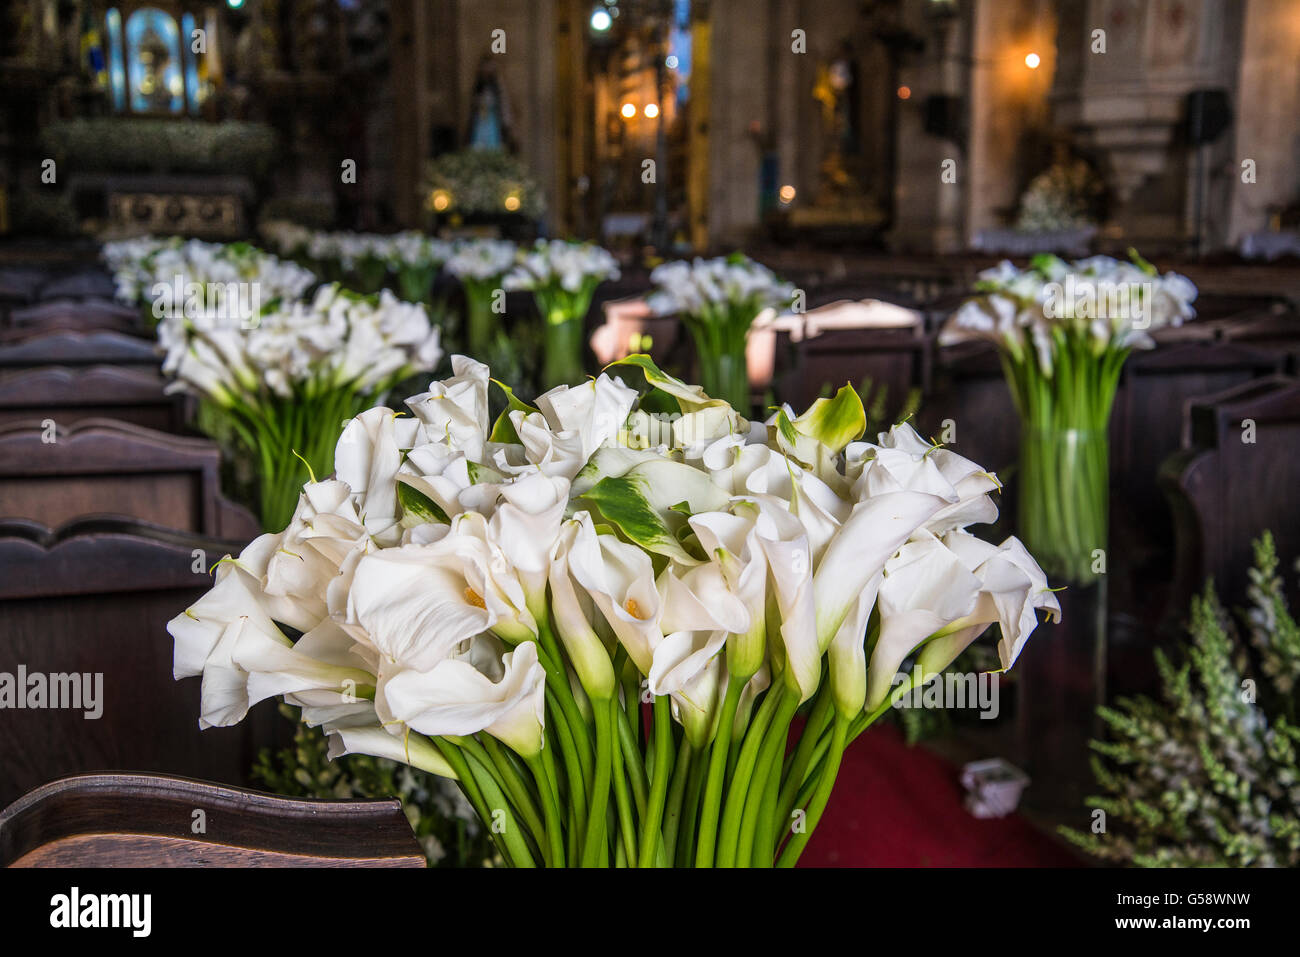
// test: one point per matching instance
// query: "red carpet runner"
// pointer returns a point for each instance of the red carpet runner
(895, 806)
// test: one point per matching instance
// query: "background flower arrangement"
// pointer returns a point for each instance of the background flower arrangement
(281, 379)
(718, 300)
(141, 265)
(562, 277)
(1210, 776)
(1064, 331)
(495, 602)
(482, 183)
(1062, 197)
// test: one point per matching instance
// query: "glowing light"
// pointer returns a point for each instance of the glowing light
(904, 92)
(234, 4)
(651, 110)
(628, 111)
(441, 200)
(787, 193)
(671, 62)
(512, 203)
(1032, 60)
(601, 20)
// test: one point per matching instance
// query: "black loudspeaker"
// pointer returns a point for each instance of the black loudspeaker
(943, 116)
(1209, 113)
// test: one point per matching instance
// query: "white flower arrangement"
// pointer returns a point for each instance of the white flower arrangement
(562, 277)
(297, 365)
(1110, 303)
(1064, 331)
(558, 265)
(481, 260)
(718, 300)
(487, 600)
(147, 268)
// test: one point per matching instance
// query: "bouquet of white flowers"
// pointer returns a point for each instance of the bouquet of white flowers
(172, 275)
(718, 300)
(481, 266)
(282, 379)
(1064, 331)
(498, 601)
(562, 276)
(366, 258)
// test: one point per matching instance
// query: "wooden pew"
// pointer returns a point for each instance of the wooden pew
(93, 598)
(140, 820)
(1225, 490)
(99, 467)
(75, 314)
(23, 349)
(69, 394)
(86, 284)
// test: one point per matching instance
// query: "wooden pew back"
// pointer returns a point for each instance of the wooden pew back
(53, 475)
(137, 820)
(90, 603)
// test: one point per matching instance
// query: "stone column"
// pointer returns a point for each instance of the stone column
(1268, 117)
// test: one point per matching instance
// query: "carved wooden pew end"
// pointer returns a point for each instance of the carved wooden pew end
(139, 820)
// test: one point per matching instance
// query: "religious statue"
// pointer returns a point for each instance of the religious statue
(489, 118)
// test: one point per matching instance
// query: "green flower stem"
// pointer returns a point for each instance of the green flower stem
(579, 786)
(473, 793)
(631, 755)
(544, 774)
(622, 799)
(492, 756)
(595, 850)
(512, 835)
(737, 792)
(686, 836)
(682, 768)
(480, 321)
(797, 765)
(708, 822)
(766, 778)
(826, 781)
(651, 838)
(764, 831)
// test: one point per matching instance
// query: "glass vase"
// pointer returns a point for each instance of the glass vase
(1064, 500)
(562, 350)
(723, 372)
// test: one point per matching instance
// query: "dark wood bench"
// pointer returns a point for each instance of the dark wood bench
(75, 314)
(99, 466)
(70, 394)
(94, 598)
(1224, 492)
(24, 349)
(139, 820)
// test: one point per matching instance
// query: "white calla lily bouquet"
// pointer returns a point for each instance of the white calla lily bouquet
(601, 621)
(1064, 331)
(284, 379)
(562, 277)
(718, 300)
(171, 275)
(481, 266)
